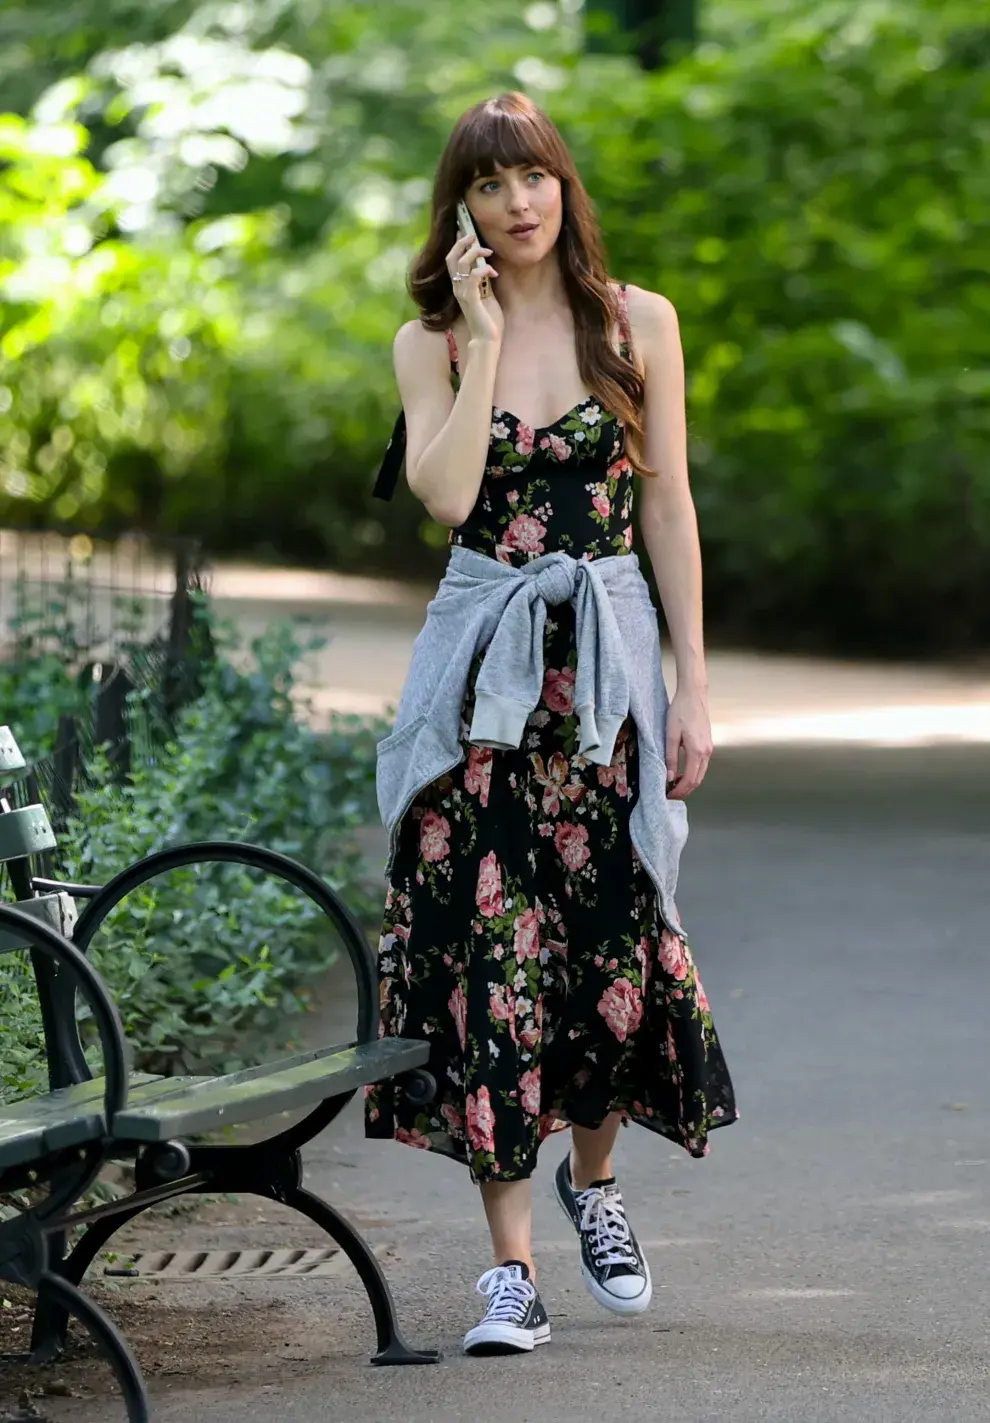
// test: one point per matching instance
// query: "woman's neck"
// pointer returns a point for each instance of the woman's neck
(534, 293)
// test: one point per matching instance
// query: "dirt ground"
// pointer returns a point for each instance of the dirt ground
(251, 1329)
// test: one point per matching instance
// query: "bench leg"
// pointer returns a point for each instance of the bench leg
(51, 1316)
(108, 1337)
(392, 1348)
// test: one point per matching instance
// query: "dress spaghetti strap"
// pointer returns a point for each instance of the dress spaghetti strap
(455, 364)
(625, 330)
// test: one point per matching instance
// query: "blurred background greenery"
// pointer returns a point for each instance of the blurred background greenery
(207, 211)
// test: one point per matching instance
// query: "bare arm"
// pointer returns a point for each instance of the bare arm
(446, 439)
(669, 526)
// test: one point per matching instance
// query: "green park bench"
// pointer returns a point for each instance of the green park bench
(62, 1139)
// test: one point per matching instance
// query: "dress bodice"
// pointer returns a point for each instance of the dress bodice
(566, 487)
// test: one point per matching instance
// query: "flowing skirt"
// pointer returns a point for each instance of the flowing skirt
(521, 939)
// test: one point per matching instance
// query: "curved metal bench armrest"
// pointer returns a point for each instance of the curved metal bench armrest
(255, 857)
(39, 937)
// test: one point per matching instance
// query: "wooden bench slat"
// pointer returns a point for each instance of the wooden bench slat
(211, 1102)
(141, 1090)
(159, 1108)
(60, 1119)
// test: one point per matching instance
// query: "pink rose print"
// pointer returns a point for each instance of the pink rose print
(572, 845)
(551, 1123)
(642, 952)
(524, 534)
(526, 941)
(480, 1120)
(433, 832)
(413, 1137)
(512, 497)
(458, 1009)
(602, 506)
(499, 1003)
(488, 895)
(618, 467)
(478, 773)
(525, 436)
(622, 1008)
(627, 536)
(615, 774)
(703, 1002)
(673, 955)
(558, 689)
(453, 1119)
(529, 1084)
(560, 447)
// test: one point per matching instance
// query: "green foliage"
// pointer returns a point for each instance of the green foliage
(199, 306)
(209, 963)
(810, 185)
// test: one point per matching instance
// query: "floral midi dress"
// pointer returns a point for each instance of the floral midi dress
(521, 935)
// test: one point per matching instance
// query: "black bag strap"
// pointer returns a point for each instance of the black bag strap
(395, 453)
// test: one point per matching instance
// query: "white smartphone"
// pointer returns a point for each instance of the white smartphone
(466, 228)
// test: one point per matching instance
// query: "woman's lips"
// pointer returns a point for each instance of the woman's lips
(521, 233)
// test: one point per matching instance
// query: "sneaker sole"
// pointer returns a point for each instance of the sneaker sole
(616, 1303)
(601, 1296)
(504, 1339)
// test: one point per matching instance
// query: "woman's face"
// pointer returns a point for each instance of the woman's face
(518, 211)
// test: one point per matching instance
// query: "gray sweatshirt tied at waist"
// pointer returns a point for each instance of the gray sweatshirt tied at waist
(484, 605)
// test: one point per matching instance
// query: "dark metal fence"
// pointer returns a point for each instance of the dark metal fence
(122, 616)
(93, 594)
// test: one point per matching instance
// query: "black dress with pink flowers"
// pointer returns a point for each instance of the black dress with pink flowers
(521, 935)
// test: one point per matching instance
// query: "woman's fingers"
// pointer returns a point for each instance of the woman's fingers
(465, 252)
(695, 769)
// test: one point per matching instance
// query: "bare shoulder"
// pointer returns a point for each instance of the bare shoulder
(419, 357)
(651, 316)
(413, 343)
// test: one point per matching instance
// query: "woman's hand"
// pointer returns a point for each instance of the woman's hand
(689, 730)
(485, 321)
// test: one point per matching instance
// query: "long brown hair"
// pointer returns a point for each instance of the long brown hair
(513, 132)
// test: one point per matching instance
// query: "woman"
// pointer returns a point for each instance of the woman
(534, 785)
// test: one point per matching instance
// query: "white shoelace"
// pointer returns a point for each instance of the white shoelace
(604, 1220)
(509, 1297)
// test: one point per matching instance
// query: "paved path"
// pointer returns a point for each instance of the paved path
(830, 1260)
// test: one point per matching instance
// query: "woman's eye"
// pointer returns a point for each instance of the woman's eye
(537, 175)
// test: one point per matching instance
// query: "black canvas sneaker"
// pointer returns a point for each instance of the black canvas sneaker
(515, 1320)
(612, 1264)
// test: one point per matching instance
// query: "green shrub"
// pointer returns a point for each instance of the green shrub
(209, 964)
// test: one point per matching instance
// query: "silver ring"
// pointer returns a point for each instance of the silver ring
(460, 276)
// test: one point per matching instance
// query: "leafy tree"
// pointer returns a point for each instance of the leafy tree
(205, 224)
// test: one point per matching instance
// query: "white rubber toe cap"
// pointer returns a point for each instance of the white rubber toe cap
(627, 1286)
